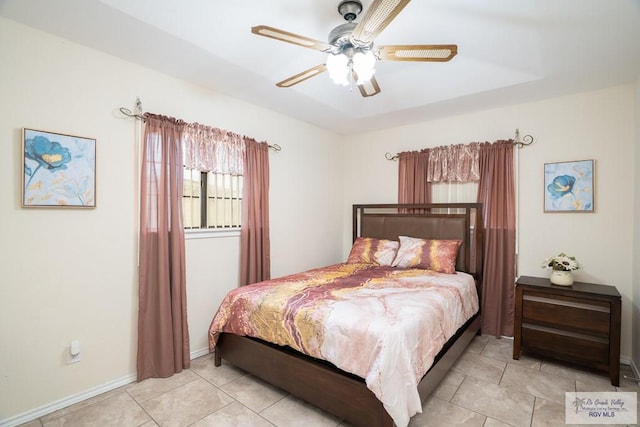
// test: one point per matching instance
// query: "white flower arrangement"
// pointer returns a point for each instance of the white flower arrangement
(561, 262)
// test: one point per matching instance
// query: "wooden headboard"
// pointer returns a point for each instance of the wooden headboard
(426, 221)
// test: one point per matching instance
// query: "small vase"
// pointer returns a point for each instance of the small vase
(562, 278)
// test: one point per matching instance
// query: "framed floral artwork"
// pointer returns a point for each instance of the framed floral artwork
(569, 186)
(58, 170)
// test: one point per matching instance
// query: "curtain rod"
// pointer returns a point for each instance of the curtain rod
(520, 143)
(139, 115)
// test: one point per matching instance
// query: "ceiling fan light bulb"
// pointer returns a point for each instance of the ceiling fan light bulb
(364, 66)
(338, 68)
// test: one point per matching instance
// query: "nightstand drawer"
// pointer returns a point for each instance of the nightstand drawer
(573, 314)
(568, 346)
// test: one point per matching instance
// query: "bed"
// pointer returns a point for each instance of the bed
(319, 364)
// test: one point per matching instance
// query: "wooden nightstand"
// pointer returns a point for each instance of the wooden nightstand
(577, 324)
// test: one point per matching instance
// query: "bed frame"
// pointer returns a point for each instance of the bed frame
(338, 392)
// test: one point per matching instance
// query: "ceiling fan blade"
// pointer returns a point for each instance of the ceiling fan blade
(376, 19)
(300, 77)
(418, 52)
(285, 36)
(369, 88)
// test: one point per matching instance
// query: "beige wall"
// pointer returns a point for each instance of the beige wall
(596, 125)
(71, 274)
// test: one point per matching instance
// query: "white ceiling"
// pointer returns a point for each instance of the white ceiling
(508, 51)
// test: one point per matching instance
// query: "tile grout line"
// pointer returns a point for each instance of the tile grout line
(143, 409)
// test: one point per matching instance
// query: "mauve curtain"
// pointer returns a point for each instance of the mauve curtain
(412, 177)
(255, 258)
(496, 192)
(163, 336)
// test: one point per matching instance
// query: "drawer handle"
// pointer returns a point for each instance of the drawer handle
(566, 303)
(564, 333)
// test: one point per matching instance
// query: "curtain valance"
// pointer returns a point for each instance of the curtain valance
(450, 163)
(209, 149)
(454, 163)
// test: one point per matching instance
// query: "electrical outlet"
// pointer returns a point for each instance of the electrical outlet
(73, 356)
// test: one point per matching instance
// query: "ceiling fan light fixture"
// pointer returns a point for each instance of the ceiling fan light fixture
(341, 65)
(338, 68)
(364, 64)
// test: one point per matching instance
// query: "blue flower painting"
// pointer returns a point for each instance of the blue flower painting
(59, 170)
(569, 186)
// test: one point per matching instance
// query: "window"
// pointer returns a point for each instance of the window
(454, 192)
(211, 200)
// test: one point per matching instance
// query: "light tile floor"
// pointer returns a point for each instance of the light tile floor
(485, 388)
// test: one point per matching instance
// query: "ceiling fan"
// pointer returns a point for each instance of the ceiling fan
(352, 54)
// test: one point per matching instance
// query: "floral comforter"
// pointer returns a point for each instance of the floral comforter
(383, 324)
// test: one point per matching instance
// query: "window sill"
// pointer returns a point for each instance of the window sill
(211, 234)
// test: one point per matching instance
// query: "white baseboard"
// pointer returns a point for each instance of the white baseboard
(67, 401)
(87, 394)
(199, 353)
(634, 368)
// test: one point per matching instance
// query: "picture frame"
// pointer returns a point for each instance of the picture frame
(58, 170)
(569, 186)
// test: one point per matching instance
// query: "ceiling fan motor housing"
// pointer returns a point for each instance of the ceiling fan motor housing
(339, 36)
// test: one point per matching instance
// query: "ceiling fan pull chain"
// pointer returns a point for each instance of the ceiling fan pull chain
(350, 81)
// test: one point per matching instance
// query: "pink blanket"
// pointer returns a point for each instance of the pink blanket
(383, 324)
